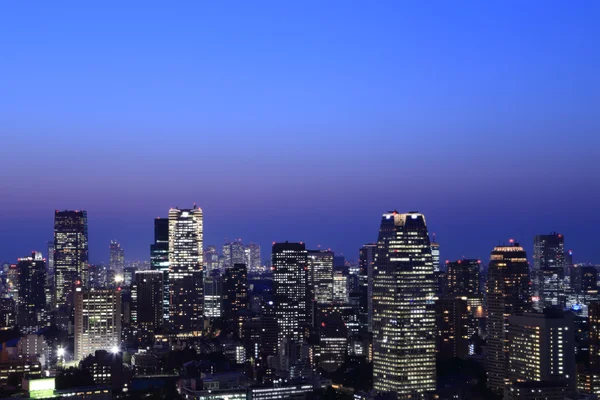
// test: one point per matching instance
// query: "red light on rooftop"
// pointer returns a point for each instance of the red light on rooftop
(119, 289)
(447, 261)
(460, 261)
(323, 324)
(78, 283)
(478, 261)
(511, 241)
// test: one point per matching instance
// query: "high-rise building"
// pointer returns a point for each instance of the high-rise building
(403, 307)
(70, 253)
(159, 259)
(97, 320)
(186, 262)
(290, 279)
(540, 347)
(211, 259)
(340, 288)
(235, 290)
(508, 293)
(147, 297)
(453, 326)
(253, 260)
(463, 277)
(31, 302)
(366, 261)
(234, 253)
(333, 344)
(594, 335)
(320, 276)
(548, 270)
(50, 259)
(213, 294)
(435, 254)
(117, 256)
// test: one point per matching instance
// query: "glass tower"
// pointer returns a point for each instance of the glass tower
(186, 269)
(403, 308)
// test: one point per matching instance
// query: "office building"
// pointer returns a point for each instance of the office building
(333, 344)
(211, 259)
(50, 258)
(97, 321)
(463, 278)
(31, 302)
(548, 270)
(253, 260)
(541, 347)
(213, 295)
(159, 260)
(508, 293)
(290, 281)
(117, 257)
(538, 391)
(404, 323)
(147, 297)
(186, 262)
(366, 257)
(320, 276)
(435, 254)
(234, 253)
(340, 288)
(235, 290)
(453, 326)
(70, 253)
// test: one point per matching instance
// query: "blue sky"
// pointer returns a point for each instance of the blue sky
(301, 120)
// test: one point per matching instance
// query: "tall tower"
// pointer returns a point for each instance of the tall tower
(549, 269)
(463, 278)
(147, 297)
(435, 254)
(234, 253)
(253, 262)
(70, 252)
(31, 302)
(508, 293)
(117, 257)
(290, 290)
(403, 308)
(159, 259)
(185, 269)
(366, 258)
(235, 290)
(320, 276)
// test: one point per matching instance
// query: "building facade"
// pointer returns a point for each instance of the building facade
(186, 261)
(404, 323)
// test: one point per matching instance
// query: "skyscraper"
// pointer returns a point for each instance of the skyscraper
(213, 294)
(50, 259)
(508, 293)
(320, 276)
(403, 307)
(548, 269)
(211, 259)
(117, 257)
(290, 278)
(340, 288)
(70, 252)
(253, 261)
(235, 290)
(453, 322)
(366, 258)
(31, 302)
(159, 259)
(435, 254)
(185, 269)
(97, 320)
(234, 253)
(463, 278)
(147, 297)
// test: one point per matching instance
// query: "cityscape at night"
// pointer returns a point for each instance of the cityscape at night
(300, 200)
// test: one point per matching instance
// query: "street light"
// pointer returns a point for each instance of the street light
(115, 350)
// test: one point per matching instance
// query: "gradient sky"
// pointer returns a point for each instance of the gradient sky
(301, 121)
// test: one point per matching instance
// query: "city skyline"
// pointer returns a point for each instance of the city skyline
(99, 252)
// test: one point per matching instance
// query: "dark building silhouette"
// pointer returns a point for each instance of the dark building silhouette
(31, 302)
(235, 290)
